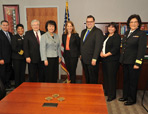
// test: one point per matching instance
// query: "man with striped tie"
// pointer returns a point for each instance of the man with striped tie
(5, 53)
(91, 45)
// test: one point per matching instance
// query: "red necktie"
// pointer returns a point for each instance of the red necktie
(37, 37)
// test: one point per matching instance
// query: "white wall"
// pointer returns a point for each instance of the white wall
(102, 10)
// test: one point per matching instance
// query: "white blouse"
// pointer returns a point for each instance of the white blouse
(104, 45)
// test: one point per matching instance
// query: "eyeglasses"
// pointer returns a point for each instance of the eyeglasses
(133, 22)
(35, 25)
(89, 21)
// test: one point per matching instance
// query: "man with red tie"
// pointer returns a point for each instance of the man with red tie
(5, 53)
(32, 52)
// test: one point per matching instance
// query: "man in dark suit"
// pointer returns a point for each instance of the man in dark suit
(32, 52)
(5, 53)
(91, 45)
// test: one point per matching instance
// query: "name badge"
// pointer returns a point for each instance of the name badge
(136, 36)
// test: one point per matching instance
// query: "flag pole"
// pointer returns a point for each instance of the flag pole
(63, 65)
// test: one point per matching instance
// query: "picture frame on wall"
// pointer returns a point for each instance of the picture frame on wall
(11, 14)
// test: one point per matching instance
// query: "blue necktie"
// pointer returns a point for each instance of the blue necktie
(7, 34)
(86, 35)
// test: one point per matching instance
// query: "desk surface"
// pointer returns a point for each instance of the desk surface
(28, 98)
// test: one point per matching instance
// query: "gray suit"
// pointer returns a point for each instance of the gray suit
(49, 47)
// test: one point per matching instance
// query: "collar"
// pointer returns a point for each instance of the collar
(5, 31)
(90, 28)
(36, 31)
(132, 30)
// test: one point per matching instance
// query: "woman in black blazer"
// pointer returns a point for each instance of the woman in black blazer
(110, 54)
(18, 58)
(71, 42)
(133, 51)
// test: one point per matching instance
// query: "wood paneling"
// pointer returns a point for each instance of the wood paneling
(43, 15)
(142, 79)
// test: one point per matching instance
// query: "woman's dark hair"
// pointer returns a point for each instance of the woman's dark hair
(113, 24)
(19, 25)
(134, 16)
(51, 22)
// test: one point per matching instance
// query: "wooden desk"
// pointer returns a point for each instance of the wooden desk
(28, 98)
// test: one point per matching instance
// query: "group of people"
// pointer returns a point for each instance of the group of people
(41, 50)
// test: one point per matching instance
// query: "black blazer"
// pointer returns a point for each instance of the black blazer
(74, 44)
(17, 45)
(5, 47)
(113, 46)
(31, 46)
(133, 47)
(91, 47)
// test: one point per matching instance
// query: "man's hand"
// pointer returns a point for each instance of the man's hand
(93, 62)
(28, 60)
(2, 62)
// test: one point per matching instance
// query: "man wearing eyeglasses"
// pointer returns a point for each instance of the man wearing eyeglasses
(91, 45)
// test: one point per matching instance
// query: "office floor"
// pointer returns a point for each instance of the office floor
(116, 107)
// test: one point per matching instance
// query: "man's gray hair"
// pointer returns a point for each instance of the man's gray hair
(35, 20)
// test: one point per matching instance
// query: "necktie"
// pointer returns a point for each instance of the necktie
(8, 37)
(37, 37)
(86, 35)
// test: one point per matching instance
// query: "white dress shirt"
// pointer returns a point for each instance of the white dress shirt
(39, 34)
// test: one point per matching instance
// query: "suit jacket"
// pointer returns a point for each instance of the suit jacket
(91, 47)
(31, 46)
(74, 44)
(50, 47)
(133, 47)
(5, 47)
(113, 46)
(17, 45)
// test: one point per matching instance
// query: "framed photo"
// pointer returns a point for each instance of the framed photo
(11, 14)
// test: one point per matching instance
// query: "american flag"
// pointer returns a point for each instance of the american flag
(63, 65)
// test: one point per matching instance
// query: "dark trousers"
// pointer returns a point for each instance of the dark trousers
(51, 71)
(91, 72)
(19, 66)
(71, 65)
(5, 73)
(36, 72)
(110, 69)
(130, 82)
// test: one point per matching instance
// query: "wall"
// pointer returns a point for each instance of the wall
(102, 10)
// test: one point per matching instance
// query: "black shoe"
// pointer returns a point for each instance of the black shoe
(110, 99)
(127, 103)
(122, 99)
